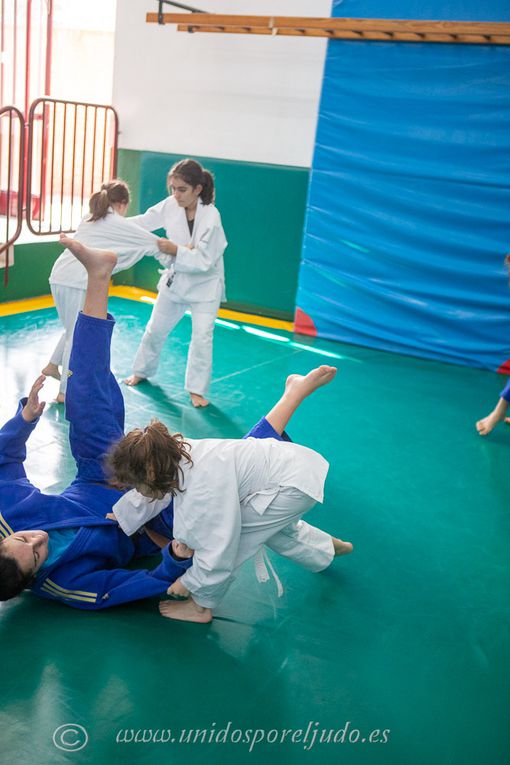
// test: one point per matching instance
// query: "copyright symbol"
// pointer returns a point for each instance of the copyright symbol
(70, 737)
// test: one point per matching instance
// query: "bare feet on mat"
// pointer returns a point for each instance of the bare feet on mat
(488, 423)
(60, 398)
(133, 380)
(51, 370)
(198, 400)
(341, 548)
(98, 263)
(185, 611)
(300, 386)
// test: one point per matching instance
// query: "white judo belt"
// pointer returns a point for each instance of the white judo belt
(262, 562)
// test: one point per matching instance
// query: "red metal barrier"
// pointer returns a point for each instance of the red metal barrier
(72, 149)
(12, 144)
(26, 41)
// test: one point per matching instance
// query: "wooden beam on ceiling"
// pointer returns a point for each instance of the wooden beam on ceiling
(400, 30)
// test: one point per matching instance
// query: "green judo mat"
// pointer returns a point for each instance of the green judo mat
(397, 655)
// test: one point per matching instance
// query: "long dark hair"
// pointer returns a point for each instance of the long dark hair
(113, 192)
(193, 173)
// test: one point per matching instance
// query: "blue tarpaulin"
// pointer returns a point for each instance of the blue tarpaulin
(408, 216)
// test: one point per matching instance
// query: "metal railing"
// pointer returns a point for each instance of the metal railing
(26, 28)
(12, 144)
(72, 149)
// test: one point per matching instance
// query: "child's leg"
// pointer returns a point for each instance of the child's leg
(165, 315)
(58, 351)
(199, 365)
(297, 388)
(307, 545)
(488, 423)
(94, 405)
(69, 302)
(281, 528)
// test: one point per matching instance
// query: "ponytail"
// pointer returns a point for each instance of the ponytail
(98, 205)
(114, 192)
(207, 195)
(193, 173)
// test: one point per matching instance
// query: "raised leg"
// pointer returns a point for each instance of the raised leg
(94, 405)
(297, 388)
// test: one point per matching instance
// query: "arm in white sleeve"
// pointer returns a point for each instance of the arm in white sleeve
(129, 241)
(213, 531)
(133, 510)
(205, 254)
(214, 563)
(165, 260)
(153, 218)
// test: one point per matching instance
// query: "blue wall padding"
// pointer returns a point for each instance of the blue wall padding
(408, 214)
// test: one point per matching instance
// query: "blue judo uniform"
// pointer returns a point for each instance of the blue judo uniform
(91, 573)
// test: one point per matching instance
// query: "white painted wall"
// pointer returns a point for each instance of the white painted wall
(225, 96)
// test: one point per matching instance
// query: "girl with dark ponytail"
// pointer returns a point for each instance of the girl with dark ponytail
(195, 281)
(105, 228)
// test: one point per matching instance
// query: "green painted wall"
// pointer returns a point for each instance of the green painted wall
(128, 168)
(263, 209)
(28, 277)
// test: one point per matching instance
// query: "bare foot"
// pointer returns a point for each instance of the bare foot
(185, 611)
(133, 380)
(341, 548)
(198, 400)
(99, 263)
(300, 386)
(488, 423)
(60, 398)
(51, 370)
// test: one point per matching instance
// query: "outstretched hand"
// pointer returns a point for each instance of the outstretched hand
(34, 408)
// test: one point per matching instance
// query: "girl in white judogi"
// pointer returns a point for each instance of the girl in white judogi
(231, 497)
(104, 227)
(195, 282)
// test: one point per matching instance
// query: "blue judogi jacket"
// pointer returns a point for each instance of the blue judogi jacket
(90, 574)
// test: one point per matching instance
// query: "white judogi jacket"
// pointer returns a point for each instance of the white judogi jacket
(198, 273)
(227, 475)
(120, 235)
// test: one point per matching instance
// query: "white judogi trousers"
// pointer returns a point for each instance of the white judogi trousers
(278, 526)
(68, 302)
(166, 314)
(297, 540)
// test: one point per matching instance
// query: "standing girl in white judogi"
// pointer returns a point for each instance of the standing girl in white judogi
(195, 282)
(104, 227)
(230, 497)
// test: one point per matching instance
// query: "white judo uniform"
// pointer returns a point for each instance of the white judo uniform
(68, 278)
(236, 497)
(194, 282)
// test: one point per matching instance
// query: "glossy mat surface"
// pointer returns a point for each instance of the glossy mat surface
(408, 635)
